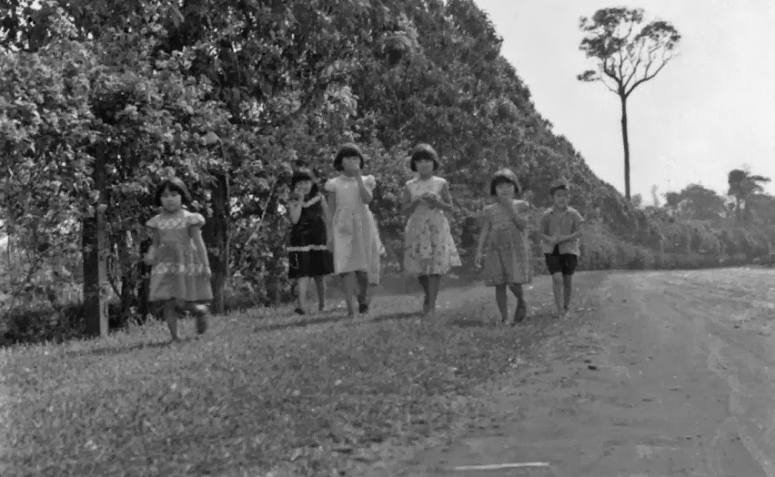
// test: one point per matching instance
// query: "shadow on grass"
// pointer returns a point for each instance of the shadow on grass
(124, 349)
(320, 320)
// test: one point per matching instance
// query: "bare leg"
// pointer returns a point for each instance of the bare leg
(423, 279)
(521, 311)
(557, 285)
(348, 289)
(567, 282)
(301, 294)
(363, 291)
(202, 313)
(320, 284)
(502, 299)
(433, 291)
(171, 316)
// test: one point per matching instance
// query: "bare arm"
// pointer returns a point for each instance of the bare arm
(517, 217)
(294, 208)
(567, 238)
(545, 236)
(483, 237)
(331, 210)
(366, 194)
(445, 199)
(326, 212)
(199, 245)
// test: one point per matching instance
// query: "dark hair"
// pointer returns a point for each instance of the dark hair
(557, 187)
(173, 184)
(507, 177)
(304, 174)
(347, 150)
(423, 151)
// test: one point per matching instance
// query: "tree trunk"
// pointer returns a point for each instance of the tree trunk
(216, 232)
(94, 246)
(626, 144)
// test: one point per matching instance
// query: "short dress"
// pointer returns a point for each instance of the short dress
(178, 272)
(429, 248)
(508, 247)
(357, 247)
(308, 254)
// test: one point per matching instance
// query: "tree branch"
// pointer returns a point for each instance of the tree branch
(646, 76)
(637, 64)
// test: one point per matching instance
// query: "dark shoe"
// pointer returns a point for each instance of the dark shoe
(363, 308)
(521, 312)
(299, 311)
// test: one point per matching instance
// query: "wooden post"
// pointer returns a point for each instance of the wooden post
(94, 246)
(217, 233)
(216, 229)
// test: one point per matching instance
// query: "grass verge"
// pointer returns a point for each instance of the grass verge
(261, 394)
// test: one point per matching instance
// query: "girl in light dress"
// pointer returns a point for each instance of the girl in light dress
(180, 268)
(505, 239)
(429, 250)
(353, 234)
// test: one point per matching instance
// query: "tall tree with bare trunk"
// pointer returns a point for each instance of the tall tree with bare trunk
(627, 53)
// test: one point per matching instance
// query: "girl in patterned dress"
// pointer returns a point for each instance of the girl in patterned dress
(505, 237)
(353, 232)
(429, 250)
(180, 273)
(308, 254)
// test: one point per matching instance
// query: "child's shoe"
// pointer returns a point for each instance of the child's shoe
(520, 313)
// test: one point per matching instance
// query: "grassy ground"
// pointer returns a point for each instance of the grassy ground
(314, 395)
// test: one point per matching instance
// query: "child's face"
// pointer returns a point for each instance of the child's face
(424, 166)
(351, 164)
(171, 200)
(303, 188)
(560, 198)
(505, 190)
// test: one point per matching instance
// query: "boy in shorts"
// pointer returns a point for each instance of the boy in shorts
(561, 231)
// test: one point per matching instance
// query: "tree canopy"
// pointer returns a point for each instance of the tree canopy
(230, 95)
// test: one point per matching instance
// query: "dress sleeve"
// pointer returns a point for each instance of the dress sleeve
(370, 182)
(330, 185)
(154, 222)
(195, 220)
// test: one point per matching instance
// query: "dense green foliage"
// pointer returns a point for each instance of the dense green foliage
(230, 95)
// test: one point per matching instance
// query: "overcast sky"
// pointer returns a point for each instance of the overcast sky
(710, 110)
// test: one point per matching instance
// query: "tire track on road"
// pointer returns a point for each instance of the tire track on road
(737, 430)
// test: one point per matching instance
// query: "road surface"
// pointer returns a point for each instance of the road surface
(670, 375)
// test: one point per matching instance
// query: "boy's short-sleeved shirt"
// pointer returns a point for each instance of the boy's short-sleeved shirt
(562, 222)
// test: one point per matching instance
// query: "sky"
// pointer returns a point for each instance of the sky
(710, 110)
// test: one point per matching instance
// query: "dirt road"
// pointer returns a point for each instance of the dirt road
(672, 374)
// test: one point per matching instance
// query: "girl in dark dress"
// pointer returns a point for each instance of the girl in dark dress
(309, 254)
